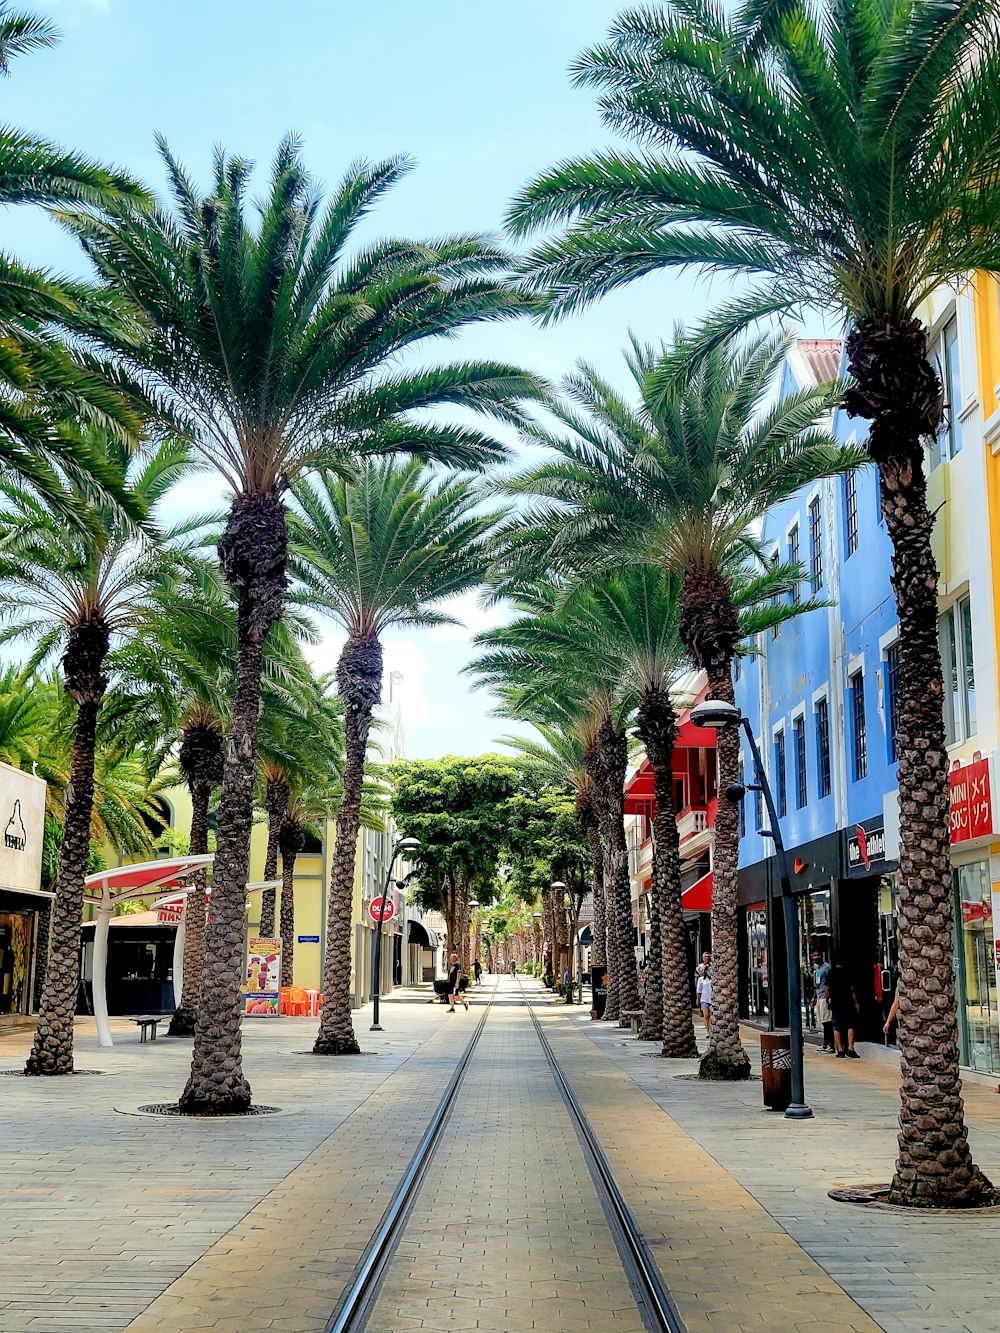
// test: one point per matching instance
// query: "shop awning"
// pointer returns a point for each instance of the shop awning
(586, 935)
(420, 933)
(698, 898)
(138, 881)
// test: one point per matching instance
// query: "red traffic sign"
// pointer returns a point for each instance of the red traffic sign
(375, 906)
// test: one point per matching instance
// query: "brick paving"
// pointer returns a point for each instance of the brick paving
(507, 1231)
(115, 1221)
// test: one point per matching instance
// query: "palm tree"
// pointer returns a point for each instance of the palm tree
(275, 353)
(845, 155)
(559, 760)
(625, 627)
(302, 733)
(544, 655)
(680, 481)
(74, 588)
(381, 551)
(44, 384)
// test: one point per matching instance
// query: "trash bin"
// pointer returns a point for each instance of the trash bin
(776, 1068)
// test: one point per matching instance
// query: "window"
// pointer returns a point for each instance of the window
(801, 782)
(955, 633)
(775, 562)
(742, 805)
(780, 779)
(793, 559)
(859, 732)
(823, 746)
(737, 667)
(815, 544)
(851, 510)
(944, 356)
(891, 696)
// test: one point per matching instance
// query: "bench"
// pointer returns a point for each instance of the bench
(635, 1018)
(147, 1024)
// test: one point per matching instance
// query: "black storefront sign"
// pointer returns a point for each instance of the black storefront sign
(864, 850)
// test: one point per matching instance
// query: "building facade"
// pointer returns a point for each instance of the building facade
(821, 695)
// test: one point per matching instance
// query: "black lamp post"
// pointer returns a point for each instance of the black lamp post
(402, 846)
(716, 713)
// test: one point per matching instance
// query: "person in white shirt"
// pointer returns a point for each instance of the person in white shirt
(705, 999)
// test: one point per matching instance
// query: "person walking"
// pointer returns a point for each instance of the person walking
(705, 1000)
(821, 988)
(455, 984)
(477, 967)
(844, 1003)
(513, 967)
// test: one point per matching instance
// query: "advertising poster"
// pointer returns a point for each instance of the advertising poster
(263, 978)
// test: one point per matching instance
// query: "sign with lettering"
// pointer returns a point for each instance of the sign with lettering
(263, 985)
(865, 854)
(22, 821)
(971, 801)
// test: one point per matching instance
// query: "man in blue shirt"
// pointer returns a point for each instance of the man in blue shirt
(821, 985)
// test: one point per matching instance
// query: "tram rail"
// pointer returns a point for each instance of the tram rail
(654, 1301)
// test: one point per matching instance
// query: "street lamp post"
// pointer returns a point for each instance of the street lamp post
(717, 713)
(403, 845)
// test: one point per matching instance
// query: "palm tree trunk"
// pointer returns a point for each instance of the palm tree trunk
(359, 681)
(291, 841)
(599, 946)
(612, 762)
(253, 552)
(182, 1024)
(657, 726)
(52, 1048)
(935, 1166)
(725, 1057)
(275, 803)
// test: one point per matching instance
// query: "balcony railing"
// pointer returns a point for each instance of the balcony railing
(691, 821)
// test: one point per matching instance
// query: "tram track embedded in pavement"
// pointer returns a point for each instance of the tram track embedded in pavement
(355, 1305)
(638, 1263)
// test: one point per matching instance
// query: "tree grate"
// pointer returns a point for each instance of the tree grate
(171, 1108)
(19, 1073)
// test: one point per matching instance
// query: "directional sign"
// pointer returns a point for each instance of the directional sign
(375, 906)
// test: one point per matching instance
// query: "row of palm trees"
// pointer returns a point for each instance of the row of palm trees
(842, 155)
(834, 155)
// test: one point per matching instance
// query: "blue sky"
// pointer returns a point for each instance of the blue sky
(475, 91)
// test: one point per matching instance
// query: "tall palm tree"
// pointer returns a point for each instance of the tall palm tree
(559, 759)
(274, 352)
(74, 588)
(845, 155)
(302, 733)
(625, 627)
(385, 550)
(680, 480)
(310, 804)
(545, 652)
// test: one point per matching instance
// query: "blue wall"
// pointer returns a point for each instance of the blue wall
(814, 651)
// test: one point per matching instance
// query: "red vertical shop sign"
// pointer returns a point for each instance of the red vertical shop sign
(971, 801)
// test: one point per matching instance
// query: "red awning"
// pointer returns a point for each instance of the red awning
(639, 793)
(136, 881)
(698, 898)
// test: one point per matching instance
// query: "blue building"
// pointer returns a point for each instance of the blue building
(820, 694)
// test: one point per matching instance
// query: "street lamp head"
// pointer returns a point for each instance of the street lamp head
(558, 884)
(406, 845)
(473, 904)
(536, 916)
(716, 713)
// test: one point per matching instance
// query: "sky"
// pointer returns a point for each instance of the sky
(474, 91)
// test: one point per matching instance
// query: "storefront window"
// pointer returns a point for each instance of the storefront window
(15, 961)
(757, 961)
(814, 933)
(979, 1029)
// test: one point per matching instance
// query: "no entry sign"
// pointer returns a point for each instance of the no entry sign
(375, 906)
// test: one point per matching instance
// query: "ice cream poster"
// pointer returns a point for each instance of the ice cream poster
(263, 982)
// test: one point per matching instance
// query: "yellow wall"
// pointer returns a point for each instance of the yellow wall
(987, 324)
